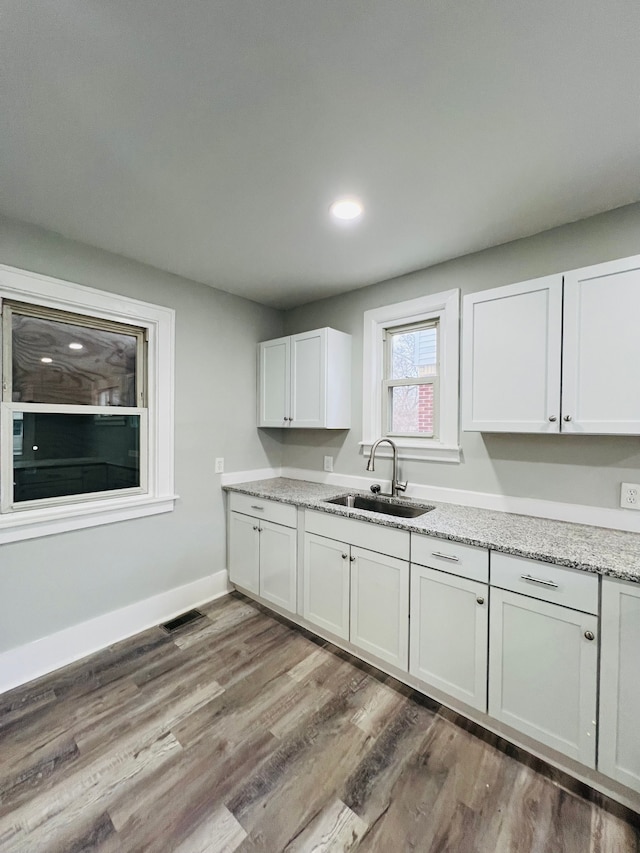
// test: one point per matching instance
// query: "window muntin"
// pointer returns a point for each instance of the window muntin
(410, 380)
(78, 419)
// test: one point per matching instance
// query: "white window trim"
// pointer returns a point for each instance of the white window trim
(22, 286)
(444, 307)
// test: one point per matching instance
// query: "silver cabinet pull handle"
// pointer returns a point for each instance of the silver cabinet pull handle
(255, 527)
(540, 581)
(567, 418)
(344, 556)
(480, 599)
(589, 635)
(255, 506)
(445, 556)
(553, 418)
(353, 559)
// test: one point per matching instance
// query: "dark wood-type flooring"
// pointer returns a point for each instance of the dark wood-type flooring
(242, 733)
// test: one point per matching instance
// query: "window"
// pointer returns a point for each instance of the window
(410, 391)
(87, 407)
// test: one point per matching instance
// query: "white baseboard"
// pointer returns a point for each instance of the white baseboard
(247, 476)
(617, 519)
(24, 663)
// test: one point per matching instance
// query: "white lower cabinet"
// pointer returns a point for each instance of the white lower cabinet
(262, 559)
(543, 672)
(244, 552)
(380, 606)
(619, 744)
(449, 633)
(278, 565)
(326, 584)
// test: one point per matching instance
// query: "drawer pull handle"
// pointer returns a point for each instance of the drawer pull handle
(445, 556)
(589, 635)
(540, 581)
(255, 506)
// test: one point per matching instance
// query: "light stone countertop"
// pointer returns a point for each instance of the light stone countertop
(592, 549)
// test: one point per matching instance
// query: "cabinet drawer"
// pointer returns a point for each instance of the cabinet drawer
(466, 561)
(374, 537)
(559, 585)
(286, 514)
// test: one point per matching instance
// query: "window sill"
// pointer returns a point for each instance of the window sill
(412, 449)
(31, 524)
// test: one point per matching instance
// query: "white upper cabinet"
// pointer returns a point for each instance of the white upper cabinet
(556, 354)
(601, 355)
(511, 367)
(305, 381)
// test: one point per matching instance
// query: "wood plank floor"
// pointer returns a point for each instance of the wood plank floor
(241, 733)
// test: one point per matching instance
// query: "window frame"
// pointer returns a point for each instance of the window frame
(443, 308)
(157, 494)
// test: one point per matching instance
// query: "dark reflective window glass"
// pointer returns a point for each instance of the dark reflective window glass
(55, 455)
(62, 363)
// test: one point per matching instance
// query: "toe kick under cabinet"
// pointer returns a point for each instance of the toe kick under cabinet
(543, 648)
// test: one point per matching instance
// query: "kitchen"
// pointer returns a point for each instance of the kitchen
(72, 593)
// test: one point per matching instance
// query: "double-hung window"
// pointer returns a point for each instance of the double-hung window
(410, 376)
(86, 425)
(74, 391)
(410, 383)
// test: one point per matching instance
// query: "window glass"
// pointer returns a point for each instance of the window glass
(64, 363)
(74, 454)
(412, 409)
(413, 353)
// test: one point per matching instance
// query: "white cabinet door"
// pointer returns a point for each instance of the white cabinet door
(543, 672)
(278, 565)
(326, 584)
(244, 552)
(511, 358)
(449, 634)
(600, 389)
(619, 743)
(380, 606)
(308, 379)
(274, 389)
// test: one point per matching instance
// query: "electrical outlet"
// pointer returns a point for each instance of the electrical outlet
(328, 463)
(630, 495)
(219, 469)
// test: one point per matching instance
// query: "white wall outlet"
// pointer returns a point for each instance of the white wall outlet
(328, 463)
(219, 465)
(630, 495)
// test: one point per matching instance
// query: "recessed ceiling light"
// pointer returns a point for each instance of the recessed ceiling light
(346, 209)
(76, 346)
(46, 360)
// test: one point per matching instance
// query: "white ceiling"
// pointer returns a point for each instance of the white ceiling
(209, 138)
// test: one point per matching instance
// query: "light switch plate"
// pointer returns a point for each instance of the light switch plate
(219, 469)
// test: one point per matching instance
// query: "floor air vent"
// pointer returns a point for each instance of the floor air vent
(184, 619)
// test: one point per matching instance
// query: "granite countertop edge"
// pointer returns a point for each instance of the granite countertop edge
(599, 550)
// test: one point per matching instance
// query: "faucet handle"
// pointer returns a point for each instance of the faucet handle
(399, 486)
(375, 488)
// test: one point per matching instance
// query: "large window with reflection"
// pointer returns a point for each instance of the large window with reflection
(74, 401)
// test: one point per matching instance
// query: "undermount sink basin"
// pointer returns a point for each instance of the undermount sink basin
(378, 505)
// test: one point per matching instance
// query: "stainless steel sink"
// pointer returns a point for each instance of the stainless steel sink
(379, 505)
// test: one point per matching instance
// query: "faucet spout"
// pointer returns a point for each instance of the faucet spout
(396, 485)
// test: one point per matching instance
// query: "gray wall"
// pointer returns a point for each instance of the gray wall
(574, 469)
(50, 583)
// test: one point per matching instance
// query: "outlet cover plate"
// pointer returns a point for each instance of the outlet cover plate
(630, 495)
